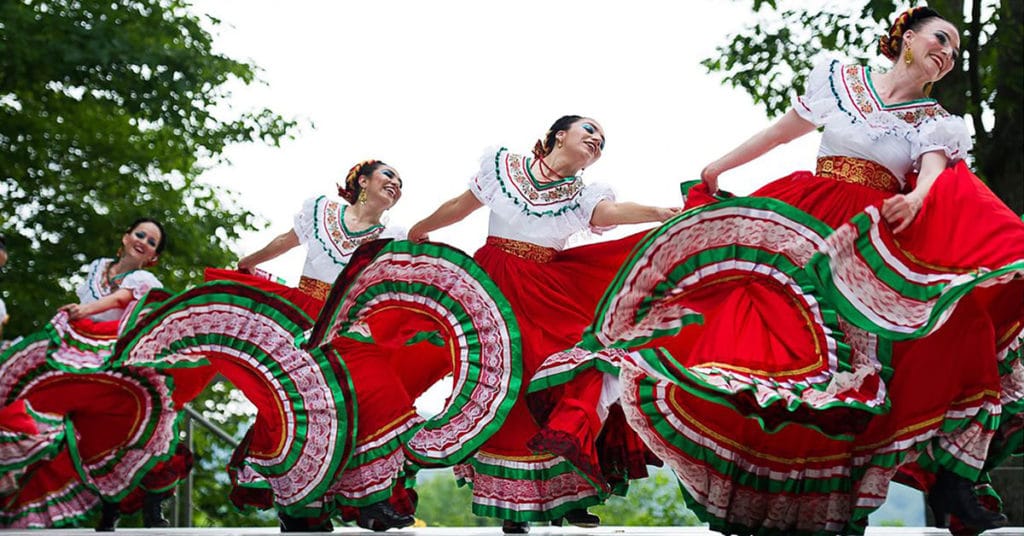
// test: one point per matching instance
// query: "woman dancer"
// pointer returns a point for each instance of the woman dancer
(72, 356)
(810, 367)
(332, 231)
(537, 203)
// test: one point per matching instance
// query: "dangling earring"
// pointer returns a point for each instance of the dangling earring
(120, 251)
(908, 57)
(362, 197)
(559, 144)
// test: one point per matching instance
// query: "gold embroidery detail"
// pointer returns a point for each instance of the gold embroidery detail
(857, 171)
(314, 287)
(523, 250)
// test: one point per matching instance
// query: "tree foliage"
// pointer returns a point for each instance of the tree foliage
(770, 58)
(651, 502)
(109, 111)
(227, 408)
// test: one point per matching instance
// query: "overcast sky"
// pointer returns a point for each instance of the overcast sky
(428, 86)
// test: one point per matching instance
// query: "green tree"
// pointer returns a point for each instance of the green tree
(110, 111)
(443, 503)
(770, 58)
(228, 409)
(654, 501)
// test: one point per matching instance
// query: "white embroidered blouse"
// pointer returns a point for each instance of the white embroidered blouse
(523, 209)
(97, 286)
(857, 123)
(320, 225)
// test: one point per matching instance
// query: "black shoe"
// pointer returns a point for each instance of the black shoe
(380, 516)
(152, 513)
(304, 524)
(579, 517)
(515, 527)
(108, 519)
(954, 494)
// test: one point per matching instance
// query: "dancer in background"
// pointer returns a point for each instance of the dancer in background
(537, 202)
(71, 359)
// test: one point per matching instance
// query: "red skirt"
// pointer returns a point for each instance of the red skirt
(120, 425)
(309, 304)
(521, 473)
(792, 371)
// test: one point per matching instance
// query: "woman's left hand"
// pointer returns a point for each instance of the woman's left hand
(73, 310)
(900, 210)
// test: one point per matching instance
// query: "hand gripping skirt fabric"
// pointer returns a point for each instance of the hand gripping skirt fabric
(83, 345)
(119, 424)
(402, 316)
(788, 372)
(529, 472)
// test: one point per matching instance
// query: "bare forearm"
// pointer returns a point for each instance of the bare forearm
(279, 245)
(609, 213)
(788, 128)
(451, 211)
(115, 300)
(932, 165)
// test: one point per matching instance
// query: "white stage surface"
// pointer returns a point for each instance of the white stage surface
(476, 531)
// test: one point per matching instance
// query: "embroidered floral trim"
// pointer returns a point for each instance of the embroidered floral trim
(857, 81)
(336, 239)
(94, 280)
(518, 185)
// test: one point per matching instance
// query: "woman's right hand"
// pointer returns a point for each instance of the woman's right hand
(709, 176)
(417, 235)
(245, 264)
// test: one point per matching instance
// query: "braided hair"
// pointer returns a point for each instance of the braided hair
(891, 44)
(349, 191)
(544, 146)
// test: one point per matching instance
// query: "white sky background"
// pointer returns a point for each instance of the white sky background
(427, 86)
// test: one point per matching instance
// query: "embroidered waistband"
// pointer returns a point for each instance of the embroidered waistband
(857, 171)
(523, 250)
(314, 287)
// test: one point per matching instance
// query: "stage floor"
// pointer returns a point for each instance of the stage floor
(481, 531)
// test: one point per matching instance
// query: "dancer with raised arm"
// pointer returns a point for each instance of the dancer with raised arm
(804, 346)
(537, 202)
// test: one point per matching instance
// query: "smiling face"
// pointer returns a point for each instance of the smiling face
(584, 139)
(936, 45)
(141, 242)
(384, 184)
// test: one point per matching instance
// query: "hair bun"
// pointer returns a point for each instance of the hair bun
(889, 44)
(347, 191)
